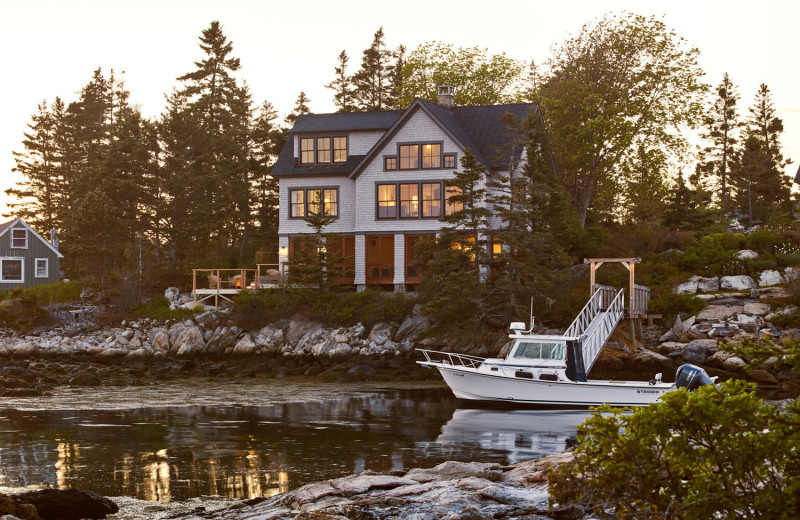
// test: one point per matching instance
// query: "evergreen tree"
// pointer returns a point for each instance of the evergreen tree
(41, 190)
(688, 208)
(268, 139)
(722, 125)
(300, 108)
(537, 218)
(454, 273)
(373, 81)
(311, 261)
(342, 86)
(763, 190)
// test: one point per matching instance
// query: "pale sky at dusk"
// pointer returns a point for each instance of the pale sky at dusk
(51, 48)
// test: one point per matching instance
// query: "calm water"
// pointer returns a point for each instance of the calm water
(245, 451)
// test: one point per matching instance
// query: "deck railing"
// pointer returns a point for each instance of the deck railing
(600, 300)
(601, 328)
(641, 299)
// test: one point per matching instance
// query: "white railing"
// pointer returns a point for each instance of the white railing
(448, 358)
(601, 329)
(600, 300)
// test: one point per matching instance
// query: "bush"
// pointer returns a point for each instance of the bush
(711, 255)
(763, 264)
(59, 292)
(764, 241)
(671, 304)
(712, 453)
(23, 314)
(788, 259)
(158, 308)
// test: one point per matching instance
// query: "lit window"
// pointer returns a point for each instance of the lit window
(387, 201)
(409, 156)
(323, 149)
(431, 156)
(390, 163)
(518, 193)
(409, 200)
(432, 199)
(307, 150)
(450, 161)
(41, 268)
(451, 206)
(297, 203)
(497, 249)
(314, 200)
(11, 270)
(339, 149)
(19, 238)
(331, 207)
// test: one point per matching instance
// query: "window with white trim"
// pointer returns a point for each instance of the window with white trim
(41, 268)
(19, 238)
(11, 270)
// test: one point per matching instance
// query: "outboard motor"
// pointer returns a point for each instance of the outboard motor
(691, 377)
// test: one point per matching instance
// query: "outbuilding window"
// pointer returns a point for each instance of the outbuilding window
(41, 268)
(11, 270)
(19, 238)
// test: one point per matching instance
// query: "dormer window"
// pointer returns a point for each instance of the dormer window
(323, 150)
(19, 238)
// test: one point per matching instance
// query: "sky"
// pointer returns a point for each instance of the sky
(51, 47)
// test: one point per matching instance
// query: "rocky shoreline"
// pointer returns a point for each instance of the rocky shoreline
(448, 491)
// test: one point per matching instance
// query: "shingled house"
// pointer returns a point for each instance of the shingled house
(27, 259)
(381, 175)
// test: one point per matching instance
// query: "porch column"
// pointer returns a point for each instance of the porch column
(361, 263)
(399, 262)
(283, 257)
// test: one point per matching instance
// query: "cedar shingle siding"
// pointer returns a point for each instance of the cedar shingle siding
(37, 248)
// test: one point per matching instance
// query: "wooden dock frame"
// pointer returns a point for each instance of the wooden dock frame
(639, 296)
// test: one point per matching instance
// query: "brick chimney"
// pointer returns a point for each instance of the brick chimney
(54, 238)
(446, 96)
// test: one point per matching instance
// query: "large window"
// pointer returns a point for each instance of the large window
(450, 205)
(323, 150)
(41, 268)
(409, 200)
(387, 201)
(409, 156)
(432, 199)
(19, 238)
(431, 155)
(11, 270)
(310, 201)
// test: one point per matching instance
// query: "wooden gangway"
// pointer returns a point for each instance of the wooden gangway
(223, 284)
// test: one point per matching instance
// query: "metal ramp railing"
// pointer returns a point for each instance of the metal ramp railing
(597, 321)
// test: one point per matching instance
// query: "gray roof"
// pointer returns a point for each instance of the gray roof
(5, 225)
(477, 128)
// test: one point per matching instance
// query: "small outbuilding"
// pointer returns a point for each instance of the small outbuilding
(26, 258)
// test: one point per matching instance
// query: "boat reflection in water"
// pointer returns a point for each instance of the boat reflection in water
(518, 434)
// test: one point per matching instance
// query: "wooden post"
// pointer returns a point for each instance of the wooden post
(194, 285)
(216, 296)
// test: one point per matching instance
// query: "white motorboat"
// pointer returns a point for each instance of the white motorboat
(551, 370)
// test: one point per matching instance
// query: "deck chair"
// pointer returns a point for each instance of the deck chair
(235, 281)
(213, 281)
(273, 276)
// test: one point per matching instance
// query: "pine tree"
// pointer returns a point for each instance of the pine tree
(40, 192)
(372, 82)
(311, 261)
(688, 208)
(722, 129)
(268, 139)
(763, 191)
(342, 86)
(300, 108)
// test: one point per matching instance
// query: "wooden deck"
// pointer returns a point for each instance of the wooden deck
(223, 284)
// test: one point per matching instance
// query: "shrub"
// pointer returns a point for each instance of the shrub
(788, 353)
(788, 259)
(764, 241)
(709, 255)
(158, 308)
(763, 264)
(59, 292)
(23, 314)
(712, 453)
(671, 304)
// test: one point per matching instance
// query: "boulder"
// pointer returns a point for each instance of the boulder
(381, 333)
(298, 328)
(791, 274)
(756, 309)
(357, 484)
(188, 342)
(768, 278)
(68, 504)
(762, 376)
(172, 294)
(719, 312)
(689, 287)
(25, 350)
(363, 369)
(270, 336)
(737, 283)
(412, 325)
(733, 363)
(697, 351)
(708, 284)
(670, 347)
(160, 340)
(223, 339)
(245, 346)
(206, 318)
(747, 254)
(457, 470)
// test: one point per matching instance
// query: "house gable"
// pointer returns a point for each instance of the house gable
(35, 262)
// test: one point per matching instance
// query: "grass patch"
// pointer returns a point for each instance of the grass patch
(158, 308)
(60, 292)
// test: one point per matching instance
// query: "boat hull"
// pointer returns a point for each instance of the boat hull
(469, 384)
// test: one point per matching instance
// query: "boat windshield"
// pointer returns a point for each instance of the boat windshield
(539, 350)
